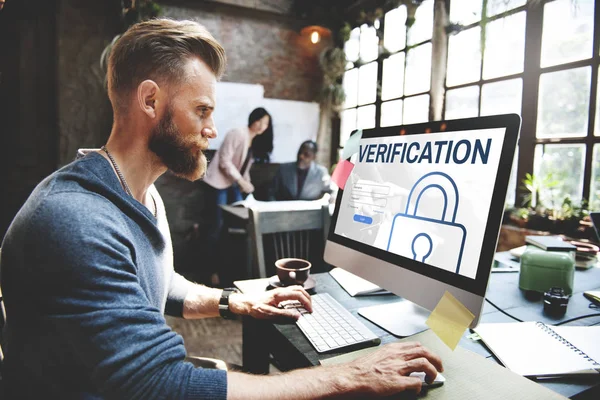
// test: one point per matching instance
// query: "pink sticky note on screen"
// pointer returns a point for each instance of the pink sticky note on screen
(341, 173)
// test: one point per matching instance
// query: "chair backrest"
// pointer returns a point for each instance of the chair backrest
(2, 322)
(287, 233)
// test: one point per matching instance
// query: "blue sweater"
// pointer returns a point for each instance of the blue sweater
(86, 276)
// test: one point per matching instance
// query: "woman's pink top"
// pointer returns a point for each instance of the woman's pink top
(224, 169)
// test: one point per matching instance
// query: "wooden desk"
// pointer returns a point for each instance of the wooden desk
(238, 212)
(290, 349)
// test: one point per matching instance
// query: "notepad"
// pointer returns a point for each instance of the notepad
(355, 285)
(550, 243)
(534, 349)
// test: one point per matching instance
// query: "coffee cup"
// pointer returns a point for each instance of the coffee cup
(292, 271)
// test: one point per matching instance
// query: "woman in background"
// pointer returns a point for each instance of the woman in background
(262, 145)
(228, 174)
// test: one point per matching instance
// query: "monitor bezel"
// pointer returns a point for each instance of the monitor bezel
(478, 286)
(595, 218)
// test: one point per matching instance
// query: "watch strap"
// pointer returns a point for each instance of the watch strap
(224, 309)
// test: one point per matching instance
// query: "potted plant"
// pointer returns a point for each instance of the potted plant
(556, 214)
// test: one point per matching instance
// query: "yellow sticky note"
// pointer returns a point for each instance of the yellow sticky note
(449, 319)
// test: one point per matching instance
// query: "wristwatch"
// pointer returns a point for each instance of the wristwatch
(224, 310)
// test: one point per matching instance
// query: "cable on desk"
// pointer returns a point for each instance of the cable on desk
(560, 323)
(577, 318)
(502, 311)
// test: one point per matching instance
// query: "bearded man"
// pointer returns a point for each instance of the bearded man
(87, 263)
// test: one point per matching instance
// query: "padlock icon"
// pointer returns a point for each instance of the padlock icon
(434, 238)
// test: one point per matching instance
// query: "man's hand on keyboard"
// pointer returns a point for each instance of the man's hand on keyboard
(385, 372)
(266, 305)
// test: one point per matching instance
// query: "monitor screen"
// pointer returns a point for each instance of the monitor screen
(429, 198)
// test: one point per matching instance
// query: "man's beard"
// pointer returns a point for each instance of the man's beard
(182, 157)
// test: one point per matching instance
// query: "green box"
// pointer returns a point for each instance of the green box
(541, 270)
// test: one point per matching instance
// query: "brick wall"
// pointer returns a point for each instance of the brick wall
(261, 48)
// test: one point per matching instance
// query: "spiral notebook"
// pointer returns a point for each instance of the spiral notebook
(535, 349)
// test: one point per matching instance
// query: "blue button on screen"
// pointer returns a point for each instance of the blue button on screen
(363, 219)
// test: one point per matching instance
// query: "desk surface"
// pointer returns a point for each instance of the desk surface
(237, 211)
(292, 350)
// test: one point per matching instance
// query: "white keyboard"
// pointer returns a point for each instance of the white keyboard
(330, 326)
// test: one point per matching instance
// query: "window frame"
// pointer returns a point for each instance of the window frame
(380, 60)
(531, 86)
(532, 71)
(482, 23)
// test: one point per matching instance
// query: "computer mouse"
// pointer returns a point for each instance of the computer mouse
(438, 381)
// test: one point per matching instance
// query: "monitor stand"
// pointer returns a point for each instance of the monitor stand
(403, 318)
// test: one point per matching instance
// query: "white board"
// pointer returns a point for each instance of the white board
(235, 102)
(293, 123)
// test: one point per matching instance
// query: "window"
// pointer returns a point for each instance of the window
(360, 81)
(563, 103)
(464, 57)
(398, 92)
(486, 62)
(561, 164)
(536, 59)
(462, 103)
(566, 141)
(573, 41)
(504, 46)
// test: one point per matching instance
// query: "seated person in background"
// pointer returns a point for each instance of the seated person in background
(303, 179)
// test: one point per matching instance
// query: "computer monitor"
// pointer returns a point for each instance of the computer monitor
(420, 213)
(595, 217)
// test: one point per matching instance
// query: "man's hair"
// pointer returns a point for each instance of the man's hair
(311, 144)
(158, 49)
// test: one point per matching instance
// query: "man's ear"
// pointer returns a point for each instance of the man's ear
(147, 97)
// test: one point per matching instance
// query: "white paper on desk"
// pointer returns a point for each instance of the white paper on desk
(587, 338)
(529, 349)
(355, 285)
(288, 205)
(247, 202)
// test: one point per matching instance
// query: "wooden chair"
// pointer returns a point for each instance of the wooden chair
(288, 233)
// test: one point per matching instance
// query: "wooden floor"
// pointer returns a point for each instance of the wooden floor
(211, 337)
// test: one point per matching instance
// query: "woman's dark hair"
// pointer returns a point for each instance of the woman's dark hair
(262, 145)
